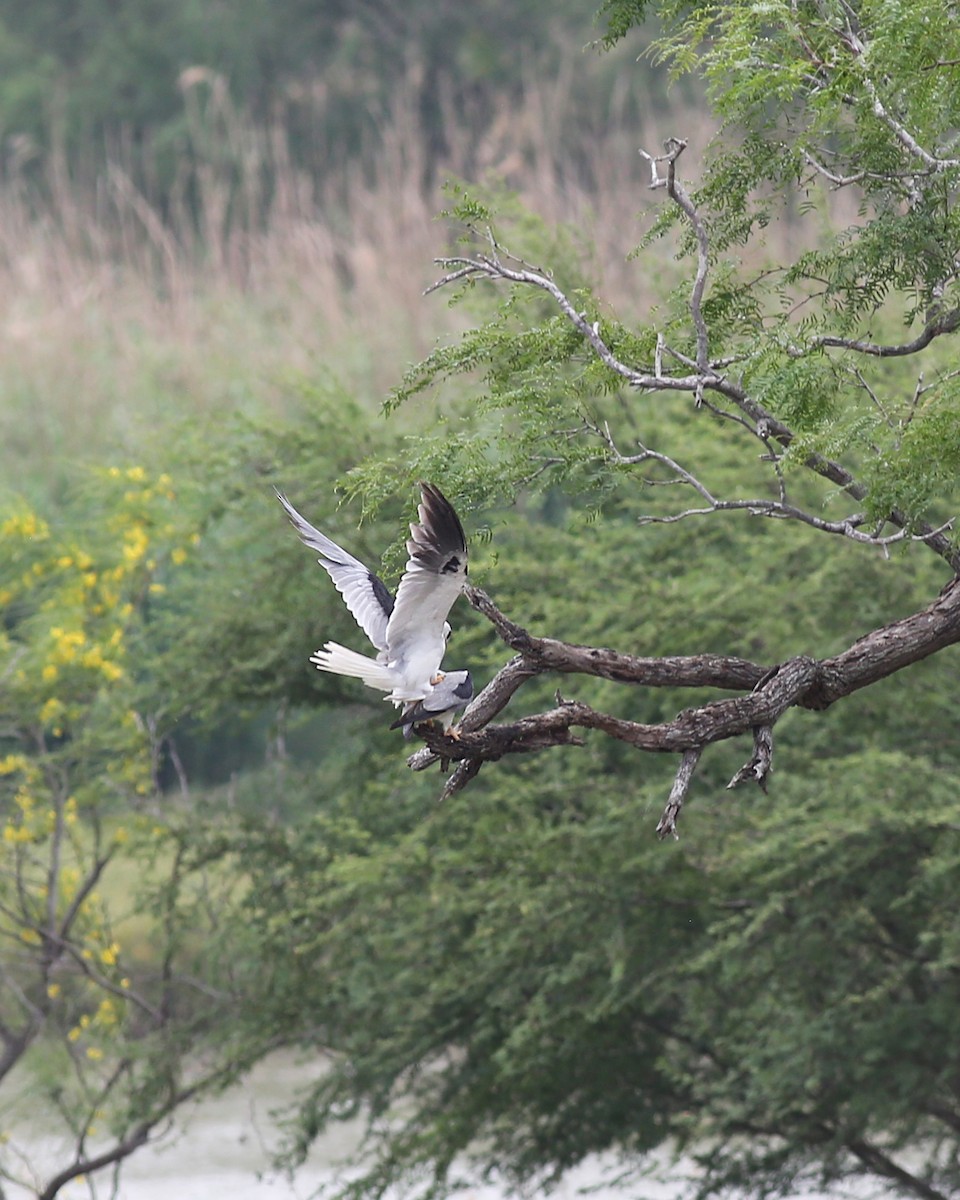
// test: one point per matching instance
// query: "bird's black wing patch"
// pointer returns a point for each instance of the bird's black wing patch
(439, 543)
(382, 593)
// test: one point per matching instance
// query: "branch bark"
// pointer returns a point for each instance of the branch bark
(801, 682)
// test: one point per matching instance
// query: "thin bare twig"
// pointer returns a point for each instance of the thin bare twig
(760, 763)
(667, 825)
(674, 147)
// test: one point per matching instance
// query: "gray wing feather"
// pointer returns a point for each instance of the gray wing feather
(364, 593)
(435, 573)
(454, 691)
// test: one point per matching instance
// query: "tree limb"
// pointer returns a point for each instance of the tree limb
(947, 322)
(801, 682)
(667, 826)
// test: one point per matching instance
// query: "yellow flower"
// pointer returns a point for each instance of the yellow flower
(27, 526)
(109, 954)
(114, 472)
(67, 642)
(74, 1033)
(111, 671)
(158, 588)
(94, 1052)
(12, 762)
(136, 474)
(93, 658)
(49, 673)
(135, 541)
(64, 561)
(106, 1013)
(178, 555)
(53, 990)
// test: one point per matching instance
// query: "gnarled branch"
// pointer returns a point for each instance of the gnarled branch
(801, 682)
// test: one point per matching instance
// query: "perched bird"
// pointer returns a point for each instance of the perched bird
(409, 631)
(454, 691)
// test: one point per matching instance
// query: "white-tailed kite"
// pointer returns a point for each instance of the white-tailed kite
(454, 691)
(410, 631)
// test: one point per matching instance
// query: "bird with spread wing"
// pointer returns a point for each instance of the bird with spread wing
(408, 631)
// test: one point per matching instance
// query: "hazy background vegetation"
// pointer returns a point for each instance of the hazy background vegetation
(205, 211)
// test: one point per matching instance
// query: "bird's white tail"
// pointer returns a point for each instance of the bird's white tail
(341, 661)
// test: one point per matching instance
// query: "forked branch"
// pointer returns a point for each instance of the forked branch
(799, 682)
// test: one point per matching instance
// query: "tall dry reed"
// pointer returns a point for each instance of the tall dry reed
(115, 314)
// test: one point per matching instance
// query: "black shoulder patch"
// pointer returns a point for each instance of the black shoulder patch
(382, 592)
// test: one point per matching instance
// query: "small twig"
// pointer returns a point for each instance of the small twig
(760, 763)
(677, 192)
(493, 266)
(465, 771)
(667, 825)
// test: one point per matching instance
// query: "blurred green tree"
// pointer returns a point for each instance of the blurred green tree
(162, 88)
(522, 977)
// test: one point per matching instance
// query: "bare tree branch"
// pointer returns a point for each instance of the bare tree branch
(124, 1147)
(850, 38)
(667, 825)
(675, 190)
(947, 322)
(798, 682)
(760, 763)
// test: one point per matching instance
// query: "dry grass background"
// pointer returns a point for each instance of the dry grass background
(116, 320)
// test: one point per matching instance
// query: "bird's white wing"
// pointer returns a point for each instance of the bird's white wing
(364, 593)
(435, 574)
